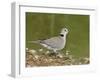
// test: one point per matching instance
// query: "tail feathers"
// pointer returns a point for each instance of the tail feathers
(38, 41)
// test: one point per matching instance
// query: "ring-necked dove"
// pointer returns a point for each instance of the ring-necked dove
(54, 43)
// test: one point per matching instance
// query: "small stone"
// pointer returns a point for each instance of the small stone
(50, 60)
(40, 50)
(80, 63)
(29, 57)
(46, 60)
(60, 56)
(86, 60)
(36, 56)
(47, 52)
(32, 51)
(67, 52)
(26, 49)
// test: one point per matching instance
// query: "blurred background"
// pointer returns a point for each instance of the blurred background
(46, 25)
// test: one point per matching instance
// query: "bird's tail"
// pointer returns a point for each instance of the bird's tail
(38, 41)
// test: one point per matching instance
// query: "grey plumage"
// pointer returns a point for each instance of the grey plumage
(55, 42)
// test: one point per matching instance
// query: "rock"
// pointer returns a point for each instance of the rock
(32, 51)
(50, 60)
(36, 56)
(86, 60)
(67, 52)
(40, 50)
(80, 63)
(47, 52)
(60, 56)
(26, 49)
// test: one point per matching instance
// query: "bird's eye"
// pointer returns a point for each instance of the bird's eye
(65, 30)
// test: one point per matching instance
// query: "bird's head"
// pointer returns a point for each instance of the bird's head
(64, 32)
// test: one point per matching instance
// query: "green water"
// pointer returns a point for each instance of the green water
(45, 25)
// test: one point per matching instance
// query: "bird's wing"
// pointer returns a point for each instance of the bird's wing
(54, 42)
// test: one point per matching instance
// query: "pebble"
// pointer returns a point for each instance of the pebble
(32, 51)
(47, 52)
(80, 63)
(50, 60)
(36, 56)
(86, 60)
(26, 49)
(40, 50)
(67, 52)
(60, 56)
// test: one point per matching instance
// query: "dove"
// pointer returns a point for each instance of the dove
(54, 43)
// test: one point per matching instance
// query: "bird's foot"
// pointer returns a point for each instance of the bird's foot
(53, 54)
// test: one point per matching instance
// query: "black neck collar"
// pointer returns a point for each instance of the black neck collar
(61, 35)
